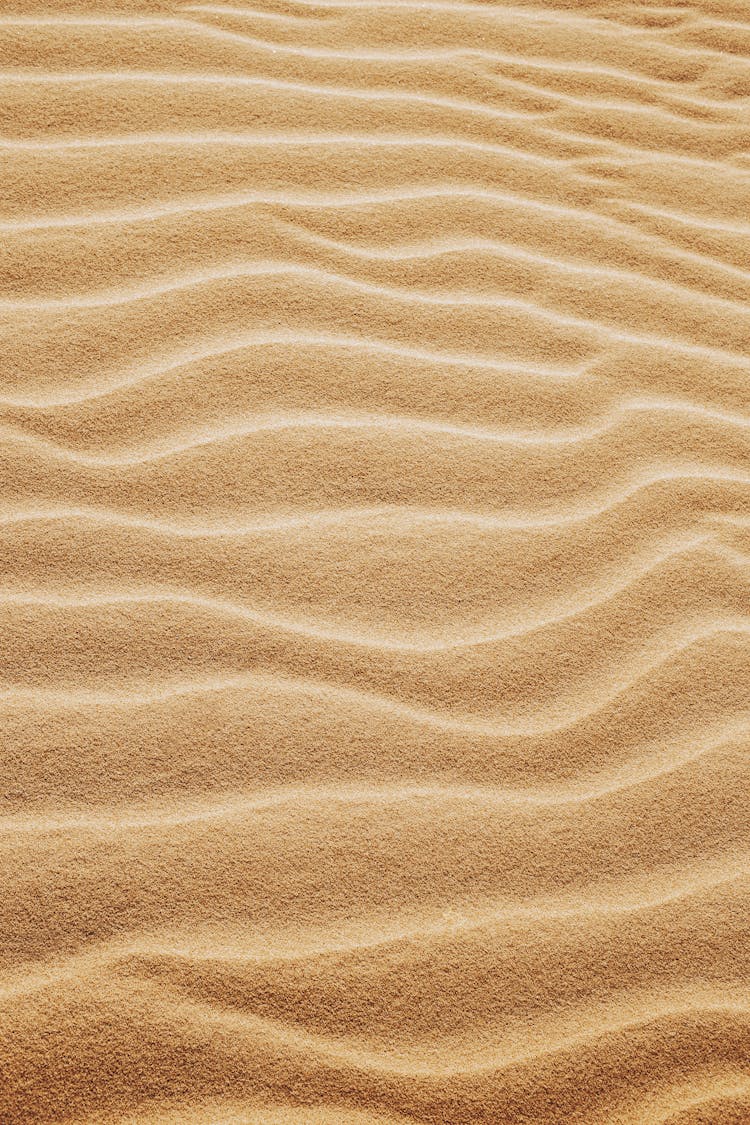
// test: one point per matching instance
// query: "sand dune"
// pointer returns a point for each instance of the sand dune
(375, 562)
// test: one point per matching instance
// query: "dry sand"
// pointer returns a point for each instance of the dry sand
(375, 548)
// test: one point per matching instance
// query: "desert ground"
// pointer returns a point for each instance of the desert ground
(375, 562)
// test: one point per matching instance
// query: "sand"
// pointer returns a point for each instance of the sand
(375, 562)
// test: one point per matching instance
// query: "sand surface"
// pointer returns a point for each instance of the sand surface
(374, 562)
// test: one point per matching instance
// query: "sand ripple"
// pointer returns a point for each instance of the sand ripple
(375, 562)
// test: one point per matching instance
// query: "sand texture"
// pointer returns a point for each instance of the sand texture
(375, 562)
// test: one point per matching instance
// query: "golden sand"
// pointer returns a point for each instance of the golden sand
(375, 548)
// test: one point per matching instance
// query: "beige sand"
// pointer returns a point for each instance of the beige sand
(375, 546)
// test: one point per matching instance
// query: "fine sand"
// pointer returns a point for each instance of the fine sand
(375, 562)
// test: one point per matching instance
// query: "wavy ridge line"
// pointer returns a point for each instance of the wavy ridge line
(412, 425)
(338, 1051)
(233, 807)
(508, 12)
(526, 523)
(322, 200)
(600, 146)
(436, 54)
(665, 87)
(599, 149)
(650, 110)
(296, 139)
(419, 252)
(662, 762)
(216, 349)
(179, 77)
(406, 517)
(270, 620)
(590, 217)
(413, 252)
(184, 78)
(405, 295)
(671, 50)
(579, 607)
(200, 946)
(340, 90)
(439, 720)
(711, 224)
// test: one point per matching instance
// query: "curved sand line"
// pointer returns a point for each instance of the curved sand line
(374, 563)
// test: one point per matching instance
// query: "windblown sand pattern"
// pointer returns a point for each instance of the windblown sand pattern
(375, 545)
